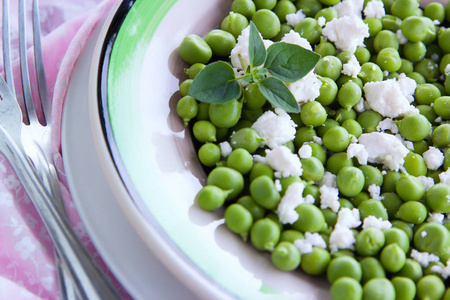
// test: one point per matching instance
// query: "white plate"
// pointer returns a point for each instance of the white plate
(128, 257)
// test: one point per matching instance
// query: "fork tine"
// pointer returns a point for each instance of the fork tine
(7, 47)
(39, 64)
(26, 86)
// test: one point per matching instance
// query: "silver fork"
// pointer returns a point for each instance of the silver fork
(78, 271)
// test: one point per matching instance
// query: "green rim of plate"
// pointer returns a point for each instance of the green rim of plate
(123, 106)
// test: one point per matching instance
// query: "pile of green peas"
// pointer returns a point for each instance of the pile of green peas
(380, 266)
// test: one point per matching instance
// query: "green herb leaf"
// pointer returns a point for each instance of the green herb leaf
(216, 83)
(289, 62)
(278, 94)
(256, 48)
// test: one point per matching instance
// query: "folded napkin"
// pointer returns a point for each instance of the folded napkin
(27, 268)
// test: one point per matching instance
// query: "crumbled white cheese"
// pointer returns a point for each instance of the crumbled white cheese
(225, 149)
(438, 120)
(347, 32)
(306, 89)
(388, 124)
(349, 8)
(385, 73)
(374, 9)
(435, 217)
(349, 217)
(407, 86)
(293, 37)
(374, 192)
(278, 185)
(445, 176)
(372, 221)
(360, 106)
(318, 140)
(311, 240)
(295, 18)
(321, 21)
(427, 182)
(341, 237)
(328, 179)
(388, 98)
(259, 159)
(406, 143)
(423, 258)
(447, 70)
(444, 271)
(358, 151)
(401, 37)
(434, 158)
(329, 197)
(305, 151)
(275, 128)
(284, 162)
(384, 148)
(239, 55)
(291, 199)
(352, 67)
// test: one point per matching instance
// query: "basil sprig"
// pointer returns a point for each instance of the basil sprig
(270, 69)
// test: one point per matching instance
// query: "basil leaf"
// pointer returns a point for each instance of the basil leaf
(289, 62)
(216, 83)
(278, 94)
(256, 48)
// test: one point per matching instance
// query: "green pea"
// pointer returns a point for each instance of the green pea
(187, 109)
(371, 268)
(263, 190)
(329, 123)
(389, 181)
(419, 78)
(444, 62)
(309, 7)
(240, 160)
(404, 8)
(309, 29)
(441, 136)
(410, 188)
(414, 51)
(428, 69)
(225, 115)
(227, 179)
(349, 95)
(350, 181)
(267, 23)
(392, 258)
(385, 39)
(346, 288)
(337, 161)
(325, 48)
(343, 115)
(392, 203)
(254, 208)
(204, 131)
(221, 42)
(310, 218)
(343, 266)
(405, 288)
(303, 135)
(193, 49)
(432, 238)
(371, 176)
(285, 256)
(287, 181)
(426, 93)
(346, 78)
(414, 127)
(193, 70)
(438, 198)
(211, 197)
(244, 7)
(313, 169)
(313, 114)
(328, 13)
(412, 269)
(291, 235)
(430, 287)
(318, 152)
(329, 66)
(265, 4)
(443, 40)
(352, 127)
(184, 87)
(375, 25)
(414, 28)
(336, 139)
(265, 234)
(412, 212)
(246, 138)
(372, 207)
(369, 241)
(370, 72)
(428, 112)
(238, 219)
(315, 262)
(378, 289)
(435, 11)
(362, 54)
(283, 8)
(209, 154)
(389, 59)
(254, 99)
(234, 23)
(442, 107)
(407, 67)
(447, 159)
(260, 169)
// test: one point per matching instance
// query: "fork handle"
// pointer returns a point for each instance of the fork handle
(90, 280)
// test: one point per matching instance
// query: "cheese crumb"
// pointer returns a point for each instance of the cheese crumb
(427, 182)
(275, 129)
(435, 217)
(349, 217)
(293, 37)
(284, 162)
(328, 179)
(259, 159)
(374, 191)
(321, 21)
(305, 151)
(295, 18)
(423, 258)
(329, 197)
(346, 32)
(388, 124)
(358, 151)
(447, 70)
(360, 106)
(311, 240)
(306, 89)
(384, 148)
(352, 67)
(444, 271)
(445, 176)
(278, 185)
(349, 8)
(239, 55)
(341, 237)
(372, 221)
(374, 9)
(291, 199)
(401, 37)
(434, 158)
